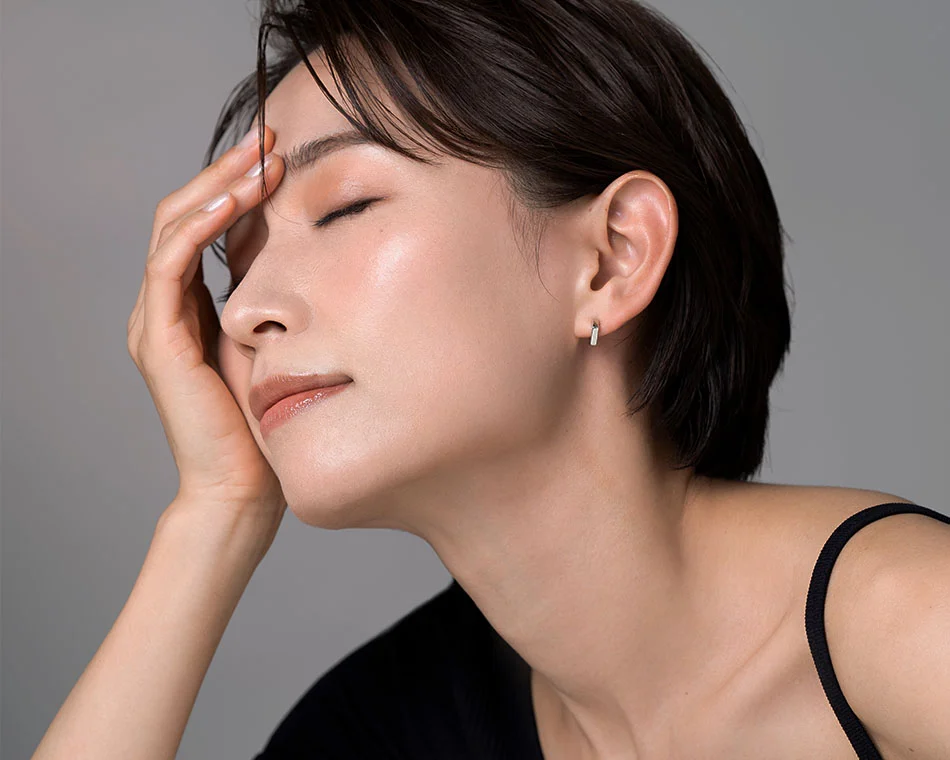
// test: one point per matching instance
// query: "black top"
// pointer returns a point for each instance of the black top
(441, 684)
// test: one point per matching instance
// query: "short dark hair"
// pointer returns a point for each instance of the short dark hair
(564, 96)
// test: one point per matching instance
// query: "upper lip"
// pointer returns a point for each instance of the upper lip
(276, 387)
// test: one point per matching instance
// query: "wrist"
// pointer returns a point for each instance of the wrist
(225, 533)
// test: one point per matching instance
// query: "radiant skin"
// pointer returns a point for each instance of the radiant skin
(482, 420)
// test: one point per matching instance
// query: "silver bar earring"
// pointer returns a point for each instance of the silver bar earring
(593, 333)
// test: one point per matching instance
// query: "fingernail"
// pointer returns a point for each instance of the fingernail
(216, 202)
(256, 169)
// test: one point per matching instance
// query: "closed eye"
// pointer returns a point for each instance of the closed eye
(350, 210)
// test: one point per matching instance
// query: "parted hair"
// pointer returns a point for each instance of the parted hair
(563, 97)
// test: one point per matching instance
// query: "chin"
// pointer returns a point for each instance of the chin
(335, 511)
(317, 517)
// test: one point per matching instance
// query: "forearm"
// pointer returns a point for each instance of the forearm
(136, 695)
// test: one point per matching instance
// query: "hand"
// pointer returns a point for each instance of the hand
(173, 336)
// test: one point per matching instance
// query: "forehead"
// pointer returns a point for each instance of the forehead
(297, 109)
(298, 112)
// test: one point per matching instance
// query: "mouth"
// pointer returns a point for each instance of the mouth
(275, 389)
(296, 403)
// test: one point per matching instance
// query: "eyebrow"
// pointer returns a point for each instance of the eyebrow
(306, 154)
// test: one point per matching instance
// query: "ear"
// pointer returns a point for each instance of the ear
(630, 234)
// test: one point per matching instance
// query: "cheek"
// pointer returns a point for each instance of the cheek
(462, 346)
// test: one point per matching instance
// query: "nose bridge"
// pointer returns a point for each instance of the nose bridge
(256, 238)
(269, 249)
(281, 249)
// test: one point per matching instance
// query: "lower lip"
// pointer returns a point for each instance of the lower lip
(293, 405)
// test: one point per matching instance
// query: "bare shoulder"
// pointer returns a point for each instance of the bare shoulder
(902, 540)
(785, 526)
(802, 517)
(887, 621)
(887, 616)
(897, 540)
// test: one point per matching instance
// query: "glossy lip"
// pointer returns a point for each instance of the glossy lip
(276, 387)
(288, 408)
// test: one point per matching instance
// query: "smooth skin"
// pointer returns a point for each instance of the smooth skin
(661, 612)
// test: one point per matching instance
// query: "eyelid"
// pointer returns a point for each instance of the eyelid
(353, 208)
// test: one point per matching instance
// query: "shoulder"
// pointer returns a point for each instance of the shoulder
(377, 699)
(887, 624)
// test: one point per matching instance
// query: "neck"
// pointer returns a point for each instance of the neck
(581, 568)
(592, 557)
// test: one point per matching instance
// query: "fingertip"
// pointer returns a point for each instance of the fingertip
(268, 139)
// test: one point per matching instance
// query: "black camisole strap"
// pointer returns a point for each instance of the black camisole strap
(815, 617)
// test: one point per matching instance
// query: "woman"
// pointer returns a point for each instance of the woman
(573, 431)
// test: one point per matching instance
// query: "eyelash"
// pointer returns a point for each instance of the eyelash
(351, 210)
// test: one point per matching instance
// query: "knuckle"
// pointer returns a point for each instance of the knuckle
(183, 227)
(160, 237)
(167, 229)
(154, 268)
(193, 229)
(164, 208)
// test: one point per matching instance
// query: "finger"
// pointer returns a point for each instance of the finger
(248, 192)
(209, 182)
(134, 326)
(139, 300)
(166, 267)
(173, 265)
(247, 189)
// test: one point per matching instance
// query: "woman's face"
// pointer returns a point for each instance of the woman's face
(460, 356)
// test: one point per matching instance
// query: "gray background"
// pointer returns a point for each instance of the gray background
(108, 107)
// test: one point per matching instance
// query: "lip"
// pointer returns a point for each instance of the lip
(278, 387)
(290, 406)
